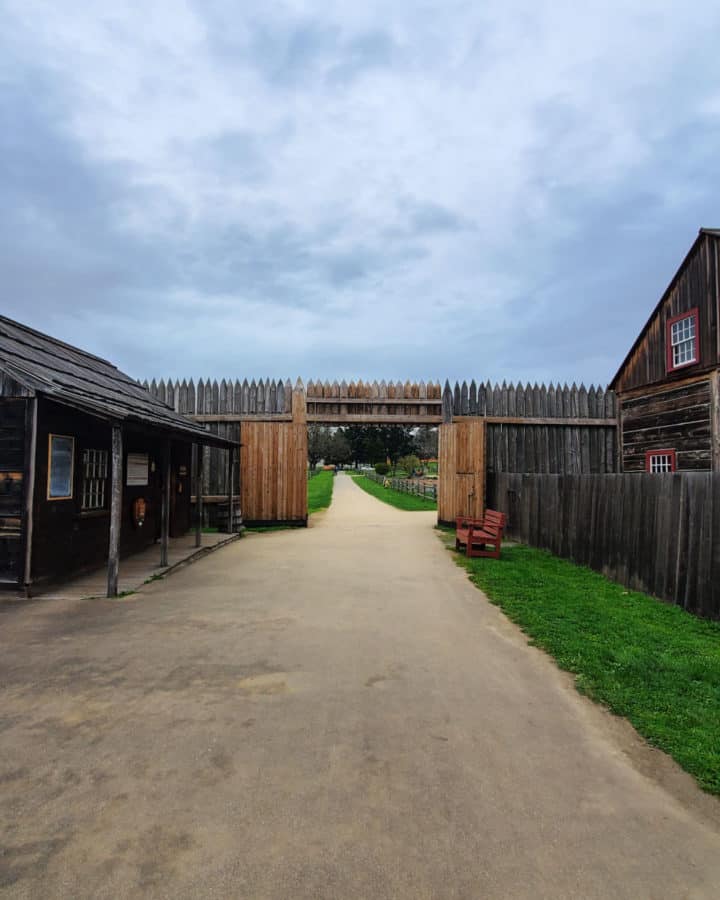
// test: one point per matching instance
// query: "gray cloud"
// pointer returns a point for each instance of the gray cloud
(359, 190)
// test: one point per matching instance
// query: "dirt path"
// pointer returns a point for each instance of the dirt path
(327, 713)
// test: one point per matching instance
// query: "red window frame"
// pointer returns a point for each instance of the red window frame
(668, 339)
(650, 453)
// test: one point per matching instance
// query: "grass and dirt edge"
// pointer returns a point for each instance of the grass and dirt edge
(650, 662)
(398, 499)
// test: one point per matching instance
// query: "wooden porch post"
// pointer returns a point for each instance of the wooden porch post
(116, 478)
(199, 453)
(231, 454)
(30, 491)
(165, 508)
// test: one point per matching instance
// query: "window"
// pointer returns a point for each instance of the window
(660, 461)
(682, 340)
(61, 456)
(95, 470)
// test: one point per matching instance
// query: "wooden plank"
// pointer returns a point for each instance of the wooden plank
(165, 505)
(116, 482)
(715, 418)
(31, 426)
(199, 452)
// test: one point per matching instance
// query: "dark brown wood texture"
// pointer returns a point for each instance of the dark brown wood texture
(13, 470)
(659, 534)
(677, 418)
(694, 285)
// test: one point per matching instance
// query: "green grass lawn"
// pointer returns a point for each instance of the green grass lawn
(398, 499)
(320, 488)
(646, 660)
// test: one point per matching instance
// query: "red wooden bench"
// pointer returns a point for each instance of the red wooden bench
(476, 534)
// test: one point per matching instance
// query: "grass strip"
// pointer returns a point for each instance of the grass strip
(320, 488)
(649, 661)
(398, 499)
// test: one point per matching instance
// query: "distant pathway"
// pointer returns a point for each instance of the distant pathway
(326, 713)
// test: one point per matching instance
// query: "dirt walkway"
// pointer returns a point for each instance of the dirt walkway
(327, 713)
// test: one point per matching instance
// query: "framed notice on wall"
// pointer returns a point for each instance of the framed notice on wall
(138, 465)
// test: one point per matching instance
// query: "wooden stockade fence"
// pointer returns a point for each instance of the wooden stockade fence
(659, 534)
(529, 428)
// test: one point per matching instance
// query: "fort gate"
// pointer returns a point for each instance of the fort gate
(483, 430)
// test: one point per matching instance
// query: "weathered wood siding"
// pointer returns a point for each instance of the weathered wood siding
(67, 539)
(696, 284)
(674, 419)
(11, 388)
(461, 470)
(273, 472)
(13, 470)
(659, 534)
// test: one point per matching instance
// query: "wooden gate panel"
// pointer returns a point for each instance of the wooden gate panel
(461, 475)
(273, 472)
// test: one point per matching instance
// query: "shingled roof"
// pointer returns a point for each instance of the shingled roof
(88, 383)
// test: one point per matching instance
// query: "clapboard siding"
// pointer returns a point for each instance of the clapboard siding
(674, 419)
(696, 285)
(659, 534)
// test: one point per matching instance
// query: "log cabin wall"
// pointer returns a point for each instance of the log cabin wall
(677, 419)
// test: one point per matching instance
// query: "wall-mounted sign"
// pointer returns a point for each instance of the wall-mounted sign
(137, 469)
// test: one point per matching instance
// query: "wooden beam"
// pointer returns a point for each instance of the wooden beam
(165, 507)
(715, 418)
(199, 451)
(375, 401)
(522, 420)
(372, 419)
(116, 484)
(242, 417)
(31, 427)
(661, 388)
(231, 454)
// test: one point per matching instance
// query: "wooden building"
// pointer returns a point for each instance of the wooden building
(92, 466)
(668, 386)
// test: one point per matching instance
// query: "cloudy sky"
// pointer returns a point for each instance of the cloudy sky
(496, 189)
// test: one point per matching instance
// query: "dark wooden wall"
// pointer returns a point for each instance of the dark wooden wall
(678, 418)
(67, 539)
(13, 440)
(659, 534)
(696, 284)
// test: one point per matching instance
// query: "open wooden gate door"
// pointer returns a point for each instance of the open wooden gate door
(461, 470)
(273, 473)
(273, 468)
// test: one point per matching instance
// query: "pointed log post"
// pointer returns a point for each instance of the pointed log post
(231, 455)
(116, 478)
(199, 452)
(165, 508)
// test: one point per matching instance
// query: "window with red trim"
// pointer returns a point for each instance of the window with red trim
(659, 461)
(682, 341)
